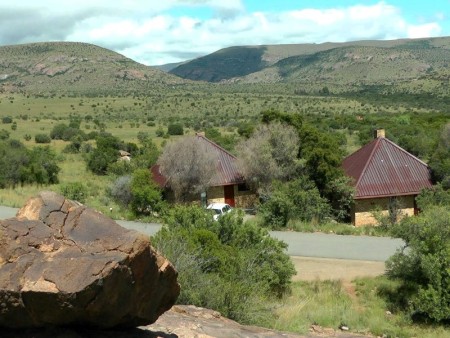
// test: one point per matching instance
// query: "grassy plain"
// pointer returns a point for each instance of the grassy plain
(362, 305)
(196, 107)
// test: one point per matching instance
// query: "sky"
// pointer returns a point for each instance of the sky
(155, 32)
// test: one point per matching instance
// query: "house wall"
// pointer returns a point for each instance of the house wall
(363, 210)
(243, 199)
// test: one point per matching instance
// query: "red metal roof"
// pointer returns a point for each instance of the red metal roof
(159, 179)
(226, 172)
(381, 169)
(226, 167)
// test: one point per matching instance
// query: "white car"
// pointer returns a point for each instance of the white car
(219, 209)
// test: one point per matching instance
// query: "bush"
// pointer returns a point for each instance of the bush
(424, 267)
(229, 266)
(120, 168)
(6, 120)
(159, 132)
(146, 195)
(120, 191)
(295, 200)
(436, 196)
(106, 153)
(75, 191)
(4, 134)
(42, 138)
(175, 129)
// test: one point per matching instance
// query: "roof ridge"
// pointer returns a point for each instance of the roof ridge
(217, 146)
(406, 152)
(369, 159)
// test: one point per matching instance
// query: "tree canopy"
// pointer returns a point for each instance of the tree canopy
(188, 165)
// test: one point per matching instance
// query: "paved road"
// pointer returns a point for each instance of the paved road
(363, 248)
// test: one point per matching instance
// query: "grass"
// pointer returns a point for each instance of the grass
(336, 228)
(359, 306)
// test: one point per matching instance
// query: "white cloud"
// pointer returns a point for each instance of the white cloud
(423, 31)
(148, 31)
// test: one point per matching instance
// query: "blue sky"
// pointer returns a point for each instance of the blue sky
(164, 31)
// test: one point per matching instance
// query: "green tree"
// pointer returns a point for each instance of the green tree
(321, 155)
(106, 153)
(440, 159)
(42, 167)
(294, 200)
(147, 154)
(146, 195)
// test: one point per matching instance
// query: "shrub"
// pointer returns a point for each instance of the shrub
(436, 196)
(75, 191)
(58, 131)
(175, 129)
(229, 266)
(424, 267)
(4, 134)
(146, 195)
(295, 200)
(159, 132)
(120, 191)
(6, 120)
(42, 138)
(120, 168)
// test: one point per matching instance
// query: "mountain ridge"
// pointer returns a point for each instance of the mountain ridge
(394, 60)
(74, 67)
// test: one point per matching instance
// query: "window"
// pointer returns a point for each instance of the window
(243, 187)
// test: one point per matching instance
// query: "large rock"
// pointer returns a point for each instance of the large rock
(182, 321)
(62, 263)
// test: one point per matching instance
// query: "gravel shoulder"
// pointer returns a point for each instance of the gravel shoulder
(311, 268)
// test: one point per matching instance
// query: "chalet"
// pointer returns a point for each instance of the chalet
(385, 176)
(227, 184)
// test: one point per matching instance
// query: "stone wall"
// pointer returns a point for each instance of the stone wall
(363, 210)
(243, 199)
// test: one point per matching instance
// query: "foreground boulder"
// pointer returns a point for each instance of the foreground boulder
(62, 263)
(182, 321)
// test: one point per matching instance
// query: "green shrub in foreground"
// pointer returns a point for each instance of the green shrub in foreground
(229, 266)
(424, 268)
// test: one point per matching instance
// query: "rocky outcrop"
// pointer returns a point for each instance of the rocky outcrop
(62, 263)
(182, 321)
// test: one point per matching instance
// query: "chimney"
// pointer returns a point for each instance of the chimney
(379, 133)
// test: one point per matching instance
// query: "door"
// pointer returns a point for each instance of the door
(228, 191)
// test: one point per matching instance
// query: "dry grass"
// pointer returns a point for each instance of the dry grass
(329, 304)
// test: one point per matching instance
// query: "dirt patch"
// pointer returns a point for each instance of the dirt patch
(310, 268)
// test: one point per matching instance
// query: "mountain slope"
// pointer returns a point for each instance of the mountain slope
(360, 62)
(76, 68)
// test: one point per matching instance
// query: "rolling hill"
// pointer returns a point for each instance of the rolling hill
(350, 63)
(75, 68)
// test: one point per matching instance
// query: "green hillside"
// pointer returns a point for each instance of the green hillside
(346, 64)
(75, 68)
